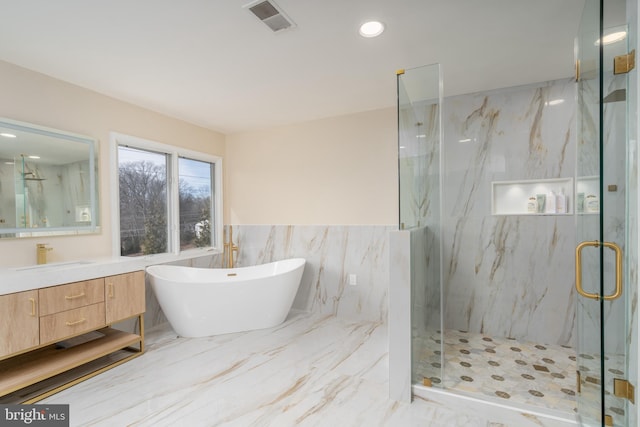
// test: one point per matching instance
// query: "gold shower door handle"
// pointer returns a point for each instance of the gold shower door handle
(596, 244)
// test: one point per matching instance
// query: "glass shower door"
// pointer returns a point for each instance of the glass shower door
(601, 218)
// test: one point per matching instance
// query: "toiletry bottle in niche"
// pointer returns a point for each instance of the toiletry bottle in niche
(591, 204)
(532, 205)
(540, 198)
(561, 202)
(550, 203)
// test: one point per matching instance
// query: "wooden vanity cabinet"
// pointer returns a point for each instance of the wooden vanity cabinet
(124, 296)
(72, 309)
(56, 299)
(19, 323)
(54, 337)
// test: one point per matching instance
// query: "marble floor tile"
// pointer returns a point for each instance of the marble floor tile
(310, 371)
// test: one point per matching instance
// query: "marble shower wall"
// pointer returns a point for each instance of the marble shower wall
(508, 275)
(425, 281)
(419, 166)
(614, 206)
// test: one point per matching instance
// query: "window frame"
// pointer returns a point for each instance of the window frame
(173, 153)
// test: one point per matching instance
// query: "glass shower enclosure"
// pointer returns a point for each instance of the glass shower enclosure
(605, 352)
(419, 165)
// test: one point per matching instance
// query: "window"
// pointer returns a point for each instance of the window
(142, 179)
(195, 193)
(156, 213)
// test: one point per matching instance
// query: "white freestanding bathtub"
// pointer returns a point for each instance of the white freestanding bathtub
(200, 302)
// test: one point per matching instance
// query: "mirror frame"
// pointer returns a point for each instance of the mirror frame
(93, 226)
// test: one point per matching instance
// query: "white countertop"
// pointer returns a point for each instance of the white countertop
(40, 276)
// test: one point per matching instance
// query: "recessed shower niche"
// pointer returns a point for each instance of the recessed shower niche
(533, 197)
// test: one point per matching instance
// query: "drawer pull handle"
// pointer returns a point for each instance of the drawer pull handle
(69, 297)
(33, 306)
(77, 322)
(110, 290)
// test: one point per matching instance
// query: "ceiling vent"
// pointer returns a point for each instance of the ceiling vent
(271, 14)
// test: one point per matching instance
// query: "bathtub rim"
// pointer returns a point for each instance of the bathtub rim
(157, 270)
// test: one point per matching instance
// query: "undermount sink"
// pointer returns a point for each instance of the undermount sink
(53, 265)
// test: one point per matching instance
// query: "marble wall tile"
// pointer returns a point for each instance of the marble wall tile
(425, 279)
(508, 275)
(332, 253)
(400, 301)
(419, 164)
(426, 308)
(614, 208)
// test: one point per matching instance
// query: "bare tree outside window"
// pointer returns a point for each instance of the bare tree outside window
(195, 192)
(168, 198)
(143, 201)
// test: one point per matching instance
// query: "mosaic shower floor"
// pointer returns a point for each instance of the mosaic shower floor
(501, 368)
(523, 373)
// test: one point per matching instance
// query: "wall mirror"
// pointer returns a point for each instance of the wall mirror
(48, 181)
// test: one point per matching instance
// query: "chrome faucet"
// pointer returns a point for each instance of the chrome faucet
(41, 250)
(230, 248)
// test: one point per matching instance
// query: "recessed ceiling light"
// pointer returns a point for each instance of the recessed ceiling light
(371, 29)
(9, 163)
(7, 135)
(612, 38)
(34, 157)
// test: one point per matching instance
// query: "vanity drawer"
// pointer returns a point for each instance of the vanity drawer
(55, 327)
(66, 297)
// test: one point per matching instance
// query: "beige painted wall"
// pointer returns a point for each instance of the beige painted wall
(340, 170)
(35, 98)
